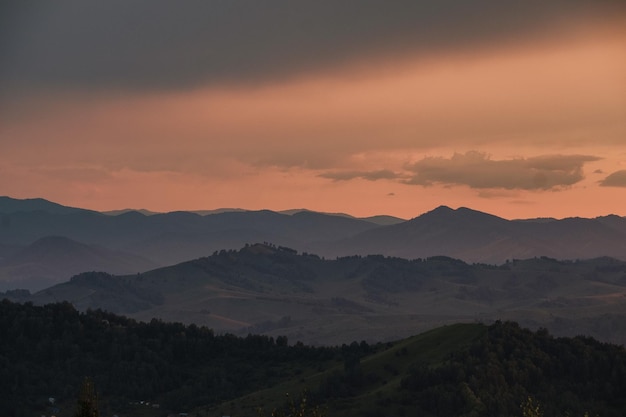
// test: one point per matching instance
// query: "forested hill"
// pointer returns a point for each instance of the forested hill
(276, 291)
(465, 369)
(46, 351)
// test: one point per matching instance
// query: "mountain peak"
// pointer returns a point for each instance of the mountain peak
(462, 213)
(442, 209)
(436, 212)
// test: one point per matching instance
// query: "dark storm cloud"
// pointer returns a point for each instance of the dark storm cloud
(478, 170)
(616, 179)
(155, 44)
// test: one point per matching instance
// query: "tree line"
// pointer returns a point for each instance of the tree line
(47, 351)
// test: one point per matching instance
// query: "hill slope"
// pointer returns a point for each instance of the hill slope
(273, 290)
(53, 259)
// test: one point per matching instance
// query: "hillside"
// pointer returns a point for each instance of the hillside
(461, 369)
(274, 290)
(53, 259)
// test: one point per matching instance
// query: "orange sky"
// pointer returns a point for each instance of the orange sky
(533, 128)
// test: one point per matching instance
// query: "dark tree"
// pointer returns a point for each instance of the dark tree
(88, 401)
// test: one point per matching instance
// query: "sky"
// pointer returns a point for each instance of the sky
(361, 107)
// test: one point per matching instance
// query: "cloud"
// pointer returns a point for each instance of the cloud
(159, 44)
(477, 170)
(382, 174)
(616, 179)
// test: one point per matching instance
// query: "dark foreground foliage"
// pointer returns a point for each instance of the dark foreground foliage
(47, 351)
(461, 370)
(495, 375)
(568, 376)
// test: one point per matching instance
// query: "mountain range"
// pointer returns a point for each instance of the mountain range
(131, 241)
(266, 289)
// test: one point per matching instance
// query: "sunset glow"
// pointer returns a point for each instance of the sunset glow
(534, 127)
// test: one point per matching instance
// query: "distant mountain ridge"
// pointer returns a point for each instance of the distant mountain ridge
(170, 238)
(124, 211)
(52, 259)
(12, 205)
(173, 237)
(480, 237)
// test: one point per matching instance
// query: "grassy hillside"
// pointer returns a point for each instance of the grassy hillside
(458, 370)
(363, 379)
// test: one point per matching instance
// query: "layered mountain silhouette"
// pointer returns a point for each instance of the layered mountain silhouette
(274, 290)
(12, 205)
(479, 237)
(170, 238)
(53, 259)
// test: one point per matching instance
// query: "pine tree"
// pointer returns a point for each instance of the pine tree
(88, 401)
